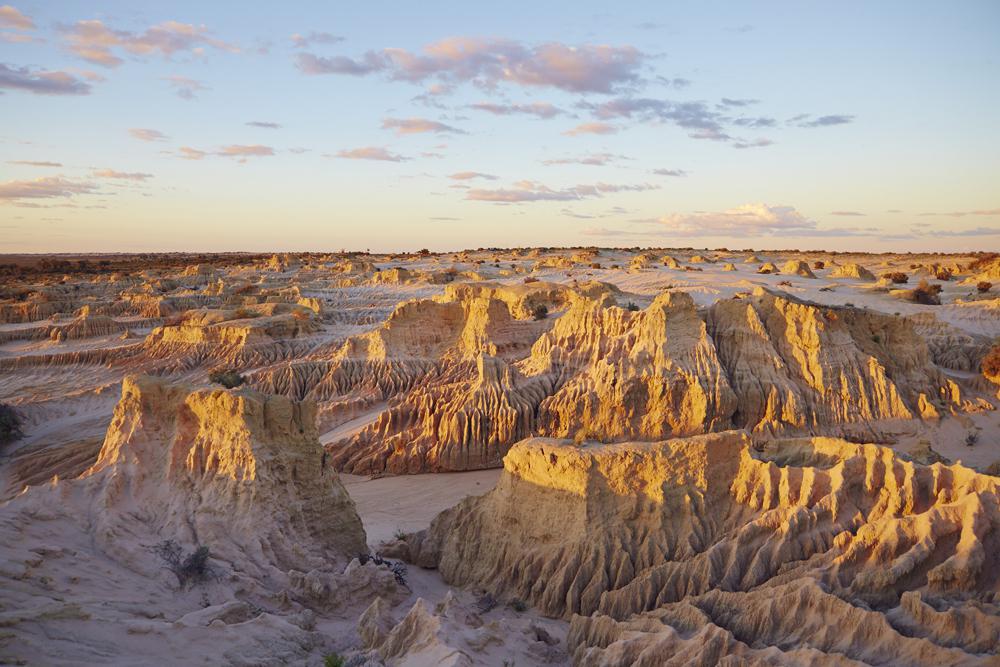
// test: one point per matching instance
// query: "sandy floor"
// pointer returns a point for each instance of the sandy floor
(408, 504)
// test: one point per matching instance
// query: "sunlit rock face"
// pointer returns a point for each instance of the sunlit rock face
(799, 365)
(452, 382)
(239, 470)
(703, 549)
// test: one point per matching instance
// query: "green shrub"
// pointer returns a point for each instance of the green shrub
(333, 660)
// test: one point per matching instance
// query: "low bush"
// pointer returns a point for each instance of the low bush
(897, 277)
(631, 306)
(192, 568)
(540, 312)
(991, 362)
(530, 279)
(819, 264)
(227, 377)
(10, 424)
(485, 603)
(398, 568)
(984, 286)
(926, 294)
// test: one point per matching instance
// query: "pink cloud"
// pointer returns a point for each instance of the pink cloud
(146, 134)
(41, 82)
(369, 153)
(43, 188)
(122, 175)
(488, 62)
(591, 128)
(95, 42)
(10, 17)
(469, 175)
(404, 126)
(537, 109)
(532, 191)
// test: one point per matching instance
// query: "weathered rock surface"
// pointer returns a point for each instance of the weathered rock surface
(454, 381)
(701, 550)
(795, 365)
(236, 470)
(854, 271)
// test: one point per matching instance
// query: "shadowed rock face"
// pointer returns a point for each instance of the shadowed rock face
(814, 551)
(464, 376)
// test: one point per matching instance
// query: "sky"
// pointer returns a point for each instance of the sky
(218, 126)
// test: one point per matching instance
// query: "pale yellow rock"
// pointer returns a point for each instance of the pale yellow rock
(854, 271)
(797, 268)
(236, 470)
(788, 546)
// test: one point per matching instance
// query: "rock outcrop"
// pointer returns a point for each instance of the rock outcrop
(797, 268)
(237, 470)
(796, 365)
(619, 375)
(234, 476)
(455, 380)
(248, 336)
(853, 271)
(700, 548)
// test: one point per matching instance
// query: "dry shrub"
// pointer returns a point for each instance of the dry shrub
(927, 294)
(991, 362)
(227, 377)
(10, 424)
(897, 277)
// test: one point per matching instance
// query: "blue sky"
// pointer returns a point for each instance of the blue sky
(855, 125)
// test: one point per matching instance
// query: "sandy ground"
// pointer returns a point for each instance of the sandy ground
(408, 504)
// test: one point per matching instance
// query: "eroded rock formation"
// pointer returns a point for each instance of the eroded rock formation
(704, 549)
(450, 383)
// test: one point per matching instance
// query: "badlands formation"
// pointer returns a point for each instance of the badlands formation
(501, 457)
